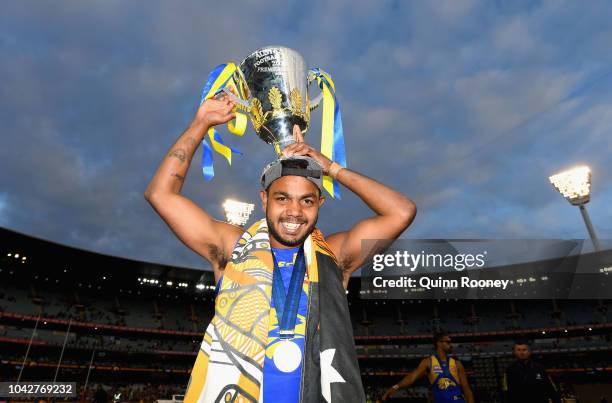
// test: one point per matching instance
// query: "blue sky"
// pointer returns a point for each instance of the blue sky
(465, 106)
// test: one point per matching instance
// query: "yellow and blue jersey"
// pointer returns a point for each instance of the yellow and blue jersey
(279, 386)
(444, 379)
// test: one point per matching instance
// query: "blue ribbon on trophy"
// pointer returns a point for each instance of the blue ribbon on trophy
(271, 86)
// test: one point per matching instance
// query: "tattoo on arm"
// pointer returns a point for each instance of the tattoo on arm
(179, 154)
(177, 176)
(190, 142)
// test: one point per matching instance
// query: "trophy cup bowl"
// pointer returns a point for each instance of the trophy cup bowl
(274, 81)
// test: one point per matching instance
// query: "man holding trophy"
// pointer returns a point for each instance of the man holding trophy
(281, 330)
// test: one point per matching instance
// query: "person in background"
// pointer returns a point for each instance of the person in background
(526, 380)
(446, 375)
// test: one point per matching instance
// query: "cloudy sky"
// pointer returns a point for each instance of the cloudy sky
(464, 106)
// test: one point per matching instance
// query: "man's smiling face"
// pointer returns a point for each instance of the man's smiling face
(292, 206)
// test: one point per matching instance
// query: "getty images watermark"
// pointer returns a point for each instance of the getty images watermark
(411, 261)
(473, 269)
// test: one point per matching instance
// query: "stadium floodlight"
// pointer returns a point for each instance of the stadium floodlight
(237, 213)
(200, 286)
(575, 185)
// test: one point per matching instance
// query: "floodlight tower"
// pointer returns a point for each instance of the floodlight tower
(575, 185)
(237, 213)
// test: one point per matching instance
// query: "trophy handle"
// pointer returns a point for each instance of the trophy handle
(314, 103)
(246, 105)
(241, 100)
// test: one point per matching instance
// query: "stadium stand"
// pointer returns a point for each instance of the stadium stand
(133, 328)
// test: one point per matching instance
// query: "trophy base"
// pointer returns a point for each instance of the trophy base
(278, 130)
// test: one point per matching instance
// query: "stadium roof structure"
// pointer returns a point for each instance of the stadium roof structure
(24, 253)
(55, 265)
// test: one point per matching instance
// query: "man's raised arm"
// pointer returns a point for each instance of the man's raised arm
(394, 211)
(210, 238)
(409, 379)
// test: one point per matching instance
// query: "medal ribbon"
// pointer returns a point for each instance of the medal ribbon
(219, 78)
(287, 303)
(332, 137)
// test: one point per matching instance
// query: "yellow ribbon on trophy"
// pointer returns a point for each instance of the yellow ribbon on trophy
(332, 137)
(219, 78)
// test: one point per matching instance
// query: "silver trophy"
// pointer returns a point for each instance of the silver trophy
(272, 85)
